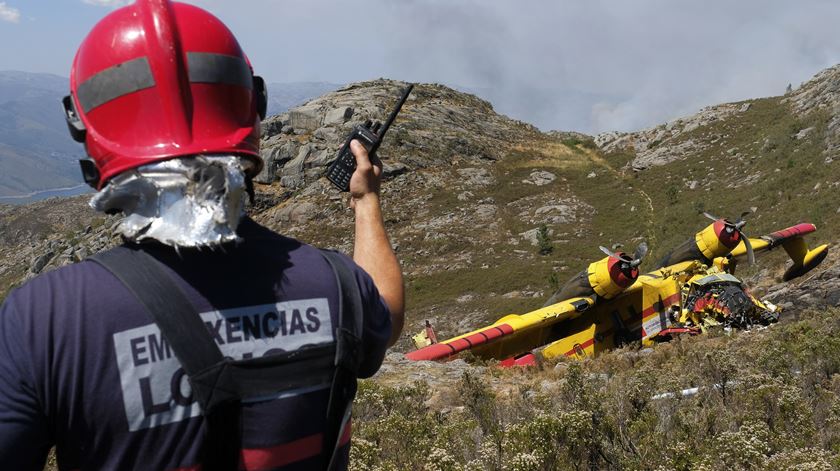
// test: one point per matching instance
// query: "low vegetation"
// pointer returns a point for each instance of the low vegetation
(765, 399)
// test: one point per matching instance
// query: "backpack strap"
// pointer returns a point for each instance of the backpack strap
(348, 356)
(219, 384)
(182, 327)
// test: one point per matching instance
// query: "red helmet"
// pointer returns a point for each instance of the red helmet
(157, 80)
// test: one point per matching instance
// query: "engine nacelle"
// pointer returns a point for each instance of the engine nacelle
(714, 241)
(717, 240)
(607, 278)
(611, 275)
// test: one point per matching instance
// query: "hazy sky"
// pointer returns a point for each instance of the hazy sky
(582, 65)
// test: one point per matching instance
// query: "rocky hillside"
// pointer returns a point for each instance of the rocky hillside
(676, 140)
(489, 215)
(778, 154)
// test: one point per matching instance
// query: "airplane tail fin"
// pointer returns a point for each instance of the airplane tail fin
(792, 240)
(804, 260)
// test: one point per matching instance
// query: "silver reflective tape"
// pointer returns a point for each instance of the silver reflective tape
(115, 82)
(206, 67)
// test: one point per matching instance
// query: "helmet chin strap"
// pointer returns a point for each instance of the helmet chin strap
(189, 202)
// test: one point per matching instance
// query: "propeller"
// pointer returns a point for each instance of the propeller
(633, 262)
(737, 226)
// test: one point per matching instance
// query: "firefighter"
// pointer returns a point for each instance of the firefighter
(169, 112)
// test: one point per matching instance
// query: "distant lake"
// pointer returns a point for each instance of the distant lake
(44, 194)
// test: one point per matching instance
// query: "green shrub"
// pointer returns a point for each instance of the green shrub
(779, 409)
(544, 240)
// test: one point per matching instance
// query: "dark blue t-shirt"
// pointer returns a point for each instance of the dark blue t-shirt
(84, 368)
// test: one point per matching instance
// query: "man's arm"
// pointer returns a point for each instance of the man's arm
(372, 249)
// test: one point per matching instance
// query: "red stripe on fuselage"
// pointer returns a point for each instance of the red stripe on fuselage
(797, 230)
(583, 346)
(666, 302)
(432, 352)
(440, 351)
(652, 309)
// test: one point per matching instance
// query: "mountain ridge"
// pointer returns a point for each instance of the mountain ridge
(488, 215)
(459, 176)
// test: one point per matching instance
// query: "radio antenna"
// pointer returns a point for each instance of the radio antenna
(394, 113)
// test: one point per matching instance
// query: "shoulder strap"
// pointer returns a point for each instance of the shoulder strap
(351, 312)
(348, 356)
(181, 325)
(178, 320)
(219, 384)
(215, 380)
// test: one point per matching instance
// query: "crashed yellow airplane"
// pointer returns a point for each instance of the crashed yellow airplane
(610, 303)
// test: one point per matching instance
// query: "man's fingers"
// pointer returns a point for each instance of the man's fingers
(361, 154)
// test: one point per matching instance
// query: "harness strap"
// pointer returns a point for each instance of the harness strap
(168, 305)
(182, 327)
(348, 356)
(219, 384)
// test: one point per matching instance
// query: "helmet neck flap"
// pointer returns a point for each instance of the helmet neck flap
(191, 202)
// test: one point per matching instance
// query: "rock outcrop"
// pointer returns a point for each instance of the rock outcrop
(435, 123)
(667, 142)
(821, 93)
(48, 234)
(673, 141)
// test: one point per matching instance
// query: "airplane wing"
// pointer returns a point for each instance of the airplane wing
(509, 336)
(791, 239)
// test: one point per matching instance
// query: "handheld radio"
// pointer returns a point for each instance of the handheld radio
(370, 135)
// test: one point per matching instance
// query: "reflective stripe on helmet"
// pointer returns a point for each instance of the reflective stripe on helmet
(115, 82)
(168, 110)
(136, 75)
(205, 67)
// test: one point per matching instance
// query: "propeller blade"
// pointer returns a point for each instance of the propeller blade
(713, 218)
(640, 253)
(741, 222)
(617, 256)
(748, 245)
